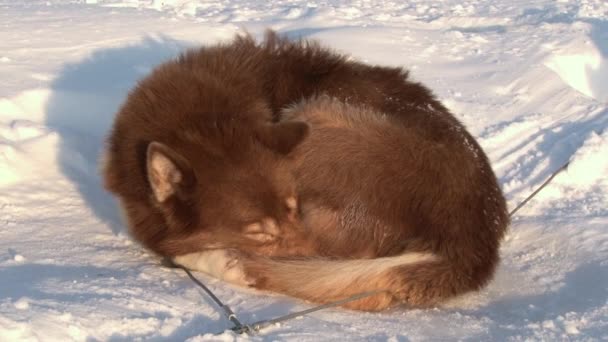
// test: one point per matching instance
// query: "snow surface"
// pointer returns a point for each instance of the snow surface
(529, 79)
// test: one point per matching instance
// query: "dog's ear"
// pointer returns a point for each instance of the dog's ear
(168, 172)
(283, 137)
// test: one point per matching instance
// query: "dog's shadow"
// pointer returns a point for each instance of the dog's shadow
(84, 99)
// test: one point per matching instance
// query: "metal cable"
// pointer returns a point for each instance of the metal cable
(562, 168)
(262, 324)
(225, 308)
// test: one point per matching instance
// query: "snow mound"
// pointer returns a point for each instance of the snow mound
(587, 73)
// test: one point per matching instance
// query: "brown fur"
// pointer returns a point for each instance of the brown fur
(211, 120)
(393, 174)
(372, 186)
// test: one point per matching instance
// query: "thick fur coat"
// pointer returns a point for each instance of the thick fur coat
(287, 167)
(389, 207)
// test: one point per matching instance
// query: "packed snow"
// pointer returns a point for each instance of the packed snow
(528, 78)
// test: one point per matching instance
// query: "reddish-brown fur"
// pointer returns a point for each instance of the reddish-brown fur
(392, 174)
(211, 115)
(370, 185)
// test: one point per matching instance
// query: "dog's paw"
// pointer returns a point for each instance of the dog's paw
(234, 271)
(224, 264)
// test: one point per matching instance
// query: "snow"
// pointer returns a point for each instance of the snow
(528, 78)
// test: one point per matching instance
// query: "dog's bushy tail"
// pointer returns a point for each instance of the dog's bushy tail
(415, 279)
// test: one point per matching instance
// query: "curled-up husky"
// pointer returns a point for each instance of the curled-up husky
(375, 186)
